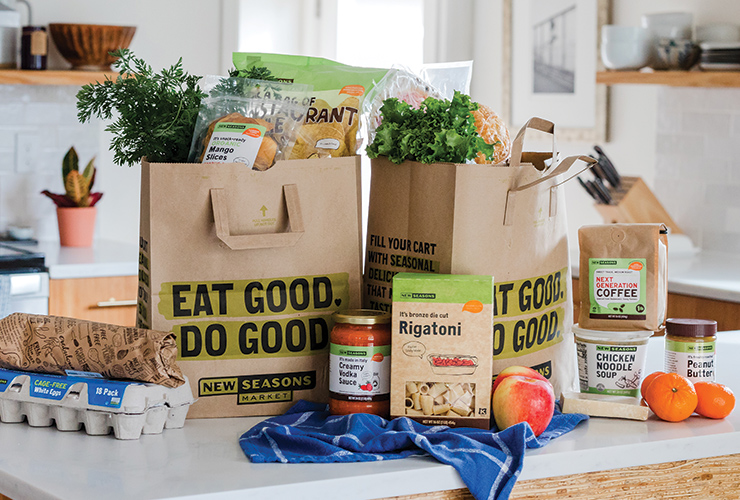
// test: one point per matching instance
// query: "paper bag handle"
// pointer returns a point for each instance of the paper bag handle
(563, 167)
(265, 240)
(517, 144)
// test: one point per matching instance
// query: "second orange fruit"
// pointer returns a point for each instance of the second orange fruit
(715, 400)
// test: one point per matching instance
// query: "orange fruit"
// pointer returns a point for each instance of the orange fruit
(492, 129)
(671, 397)
(647, 381)
(715, 400)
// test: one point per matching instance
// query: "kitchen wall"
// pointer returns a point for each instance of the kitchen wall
(682, 148)
(696, 170)
(202, 33)
(679, 140)
(38, 124)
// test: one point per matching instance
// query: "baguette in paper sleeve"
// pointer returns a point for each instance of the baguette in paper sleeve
(53, 344)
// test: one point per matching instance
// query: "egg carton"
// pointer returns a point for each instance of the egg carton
(99, 405)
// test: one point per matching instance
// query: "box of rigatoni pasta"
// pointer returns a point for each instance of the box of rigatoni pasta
(441, 349)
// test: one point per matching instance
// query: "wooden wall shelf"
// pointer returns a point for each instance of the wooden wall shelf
(52, 77)
(671, 78)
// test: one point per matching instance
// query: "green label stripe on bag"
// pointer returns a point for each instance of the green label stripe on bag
(272, 338)
(528, 334)
(267, 297)
(527, 296)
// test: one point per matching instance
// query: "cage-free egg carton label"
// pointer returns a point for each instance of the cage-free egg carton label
(99, 405)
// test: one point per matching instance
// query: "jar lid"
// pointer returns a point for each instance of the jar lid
(685, 327)
(362, 317)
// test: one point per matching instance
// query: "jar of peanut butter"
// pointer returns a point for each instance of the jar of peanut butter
(690, 346)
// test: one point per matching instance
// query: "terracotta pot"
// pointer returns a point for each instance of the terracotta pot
(76, 226)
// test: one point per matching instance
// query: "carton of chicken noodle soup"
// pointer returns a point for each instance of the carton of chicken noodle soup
(611, 362)
(441, 345)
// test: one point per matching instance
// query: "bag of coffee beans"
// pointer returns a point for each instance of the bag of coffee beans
(622, 276)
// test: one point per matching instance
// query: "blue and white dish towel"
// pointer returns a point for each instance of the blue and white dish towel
(488, 462)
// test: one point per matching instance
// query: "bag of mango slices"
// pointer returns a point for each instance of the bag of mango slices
(247, 121)
(332, 124)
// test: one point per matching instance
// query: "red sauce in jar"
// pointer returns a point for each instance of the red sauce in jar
(359, 363)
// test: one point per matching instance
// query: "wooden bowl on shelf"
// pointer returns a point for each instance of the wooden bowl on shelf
(87, 46)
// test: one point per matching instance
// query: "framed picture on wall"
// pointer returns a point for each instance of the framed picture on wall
(551, 56)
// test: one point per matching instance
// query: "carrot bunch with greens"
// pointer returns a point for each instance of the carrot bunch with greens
(155, 112)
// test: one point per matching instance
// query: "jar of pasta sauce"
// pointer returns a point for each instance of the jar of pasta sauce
(360, 362)
(690, 348)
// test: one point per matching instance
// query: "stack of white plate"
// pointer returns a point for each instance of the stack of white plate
(720, 56)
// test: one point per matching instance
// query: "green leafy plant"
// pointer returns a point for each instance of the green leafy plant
(440, 130)
(78, 185)
(242, 83)
(255, 73)
(156, 112)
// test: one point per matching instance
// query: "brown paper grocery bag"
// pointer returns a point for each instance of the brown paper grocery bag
(507, 221)
(246, 268)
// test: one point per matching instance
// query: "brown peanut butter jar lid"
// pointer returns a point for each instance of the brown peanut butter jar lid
(686, 327)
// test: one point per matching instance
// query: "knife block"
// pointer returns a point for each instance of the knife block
(634, 203)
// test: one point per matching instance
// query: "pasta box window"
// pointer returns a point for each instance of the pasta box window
(442, 349)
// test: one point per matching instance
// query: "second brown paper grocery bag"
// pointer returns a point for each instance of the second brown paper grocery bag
(507, 221)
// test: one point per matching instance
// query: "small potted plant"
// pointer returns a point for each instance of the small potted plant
(76, 208)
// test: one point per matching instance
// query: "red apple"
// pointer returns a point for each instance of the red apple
(523, 399)
(523, 371)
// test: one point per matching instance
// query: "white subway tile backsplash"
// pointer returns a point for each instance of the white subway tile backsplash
(735, 171)
(679, 144)
(7, 164)
(697, 175)
(722, 148)
(50, 161)
(11, 113)
(81, 136)
(7, 140)
(43, 113)
(722, 195)
(699, 99)
(732, 220)
(669, 123)
(707, 123)
(691, 167)
(48, 115)
(68, 114)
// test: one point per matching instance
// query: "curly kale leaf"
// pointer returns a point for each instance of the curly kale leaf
(155, 112)
(440, 130)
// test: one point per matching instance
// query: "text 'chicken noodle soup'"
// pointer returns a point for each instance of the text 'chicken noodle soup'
(611, 362)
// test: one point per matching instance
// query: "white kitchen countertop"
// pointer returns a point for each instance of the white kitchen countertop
(104, 258)
(706, 274)
(203, 459)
